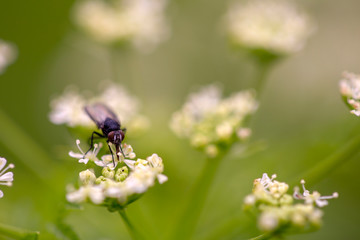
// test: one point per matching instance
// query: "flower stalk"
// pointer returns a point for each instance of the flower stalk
(189, 219)
(130, 227)
(17, 233)
(332, 162)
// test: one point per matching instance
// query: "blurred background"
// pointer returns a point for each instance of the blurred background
(301, 116)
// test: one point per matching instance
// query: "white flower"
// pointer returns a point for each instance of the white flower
(92, 192)
(8, 55)
(157, 166)
(69, 109)
(140, 22)
(268, 221)
(277, 26)
(87, 177)
(350, 90)
(91, 155)
(6, 178)
(208, 120)
(120, 183)
(315, 197)
(141, 179)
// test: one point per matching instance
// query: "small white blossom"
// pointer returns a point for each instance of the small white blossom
(315, 197)
(87, 177)
(208, 120)
(139, 22)
(350, 90)
(92, 192)
(8, 55)
(6, 178)
(268, 221)
(91, 155)
(276, 26)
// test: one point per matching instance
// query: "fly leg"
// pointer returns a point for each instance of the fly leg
(92, 141)
(112, 154)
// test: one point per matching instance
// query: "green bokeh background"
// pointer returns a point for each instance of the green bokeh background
(301, 117)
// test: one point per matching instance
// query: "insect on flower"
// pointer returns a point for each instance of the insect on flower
(109, 124)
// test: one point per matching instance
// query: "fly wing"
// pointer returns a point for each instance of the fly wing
(99, 112)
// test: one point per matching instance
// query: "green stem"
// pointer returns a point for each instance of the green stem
(264, 236)
(17, 233)
(327, 165)
(189, 218)
(261, 75)
(130, 227)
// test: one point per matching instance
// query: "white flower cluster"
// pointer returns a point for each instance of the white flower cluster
(6, 178)
(8, 55)
(350, 91)
(277, 209)
(276, 26)
(140, 22)
(115, 186)
(69, 108)
(211, 122)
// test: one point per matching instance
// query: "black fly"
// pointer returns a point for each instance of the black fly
(109, 124)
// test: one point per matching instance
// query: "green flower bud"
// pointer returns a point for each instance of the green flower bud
(121, 174)
(108, 173)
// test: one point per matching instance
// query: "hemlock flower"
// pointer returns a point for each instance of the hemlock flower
(68, 108)
(91, 155)
(315, 197)
(350, 91)
(212, 123)
(274, 26)
(118, 186)
(141, 23)
(8, 54)
(276, 211)
(6, 178)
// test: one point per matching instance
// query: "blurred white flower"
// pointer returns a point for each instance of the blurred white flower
(139, 22)
(68, 108)
(209, 121)
(92, 192)
(350, 91)
(277, 26)
(315, 197)
(8, 54)
(119, 185)
(6, 178)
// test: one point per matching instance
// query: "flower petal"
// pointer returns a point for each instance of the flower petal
(162, 178)
(7, 177)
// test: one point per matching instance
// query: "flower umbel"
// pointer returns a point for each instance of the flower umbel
(276, 26)
(139, 22)
(210, 122)
(276, 211)
(115, 187)
(350, 91)
(6, 178)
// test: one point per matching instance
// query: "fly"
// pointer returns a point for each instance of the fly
(110, 126)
